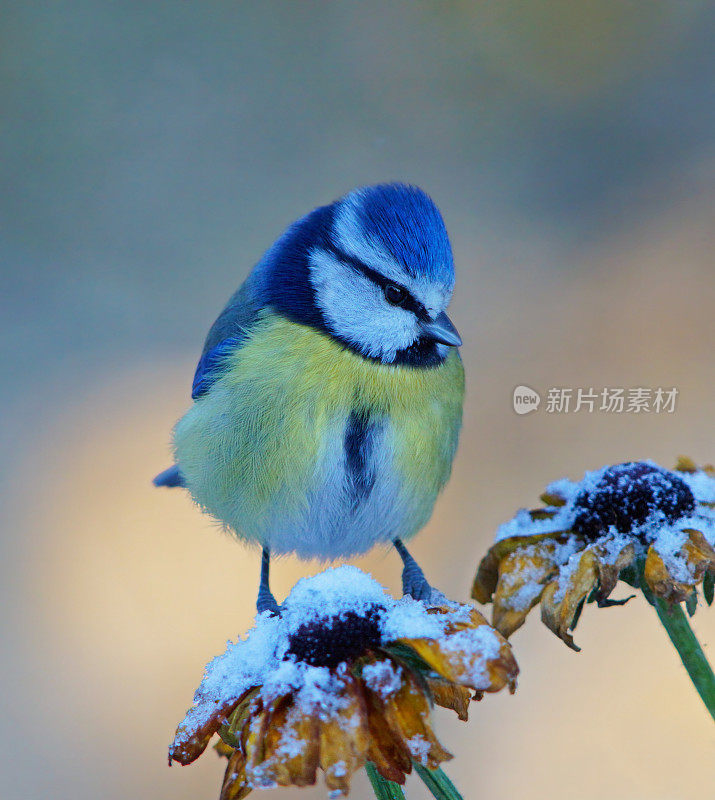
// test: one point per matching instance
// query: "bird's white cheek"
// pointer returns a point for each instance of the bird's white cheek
(356, 310)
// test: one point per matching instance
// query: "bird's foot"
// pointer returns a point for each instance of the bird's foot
(415, 584)
(267, 602)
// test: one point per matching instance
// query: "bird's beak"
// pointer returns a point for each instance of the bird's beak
(442, 330)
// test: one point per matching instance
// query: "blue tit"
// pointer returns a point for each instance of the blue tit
(328, 397)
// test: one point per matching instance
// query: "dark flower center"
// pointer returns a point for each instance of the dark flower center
(628, 495)
(333, 640)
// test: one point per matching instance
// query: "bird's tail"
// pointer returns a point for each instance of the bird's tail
(169, 477)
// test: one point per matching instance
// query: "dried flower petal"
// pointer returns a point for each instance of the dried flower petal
(660, 580)
(456, 658)
(234, 780)
(523, 574)
(450, 695)
(487, 577)
(610, 569)
(560, 605)
(407, 713)
(191, 740)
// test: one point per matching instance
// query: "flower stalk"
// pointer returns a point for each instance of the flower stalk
(685, 641)
(438, 783)
(384, 789)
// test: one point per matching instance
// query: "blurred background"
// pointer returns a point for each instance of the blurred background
(150, 152)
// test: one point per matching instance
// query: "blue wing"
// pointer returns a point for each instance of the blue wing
(211, 366)
(208, 370)
(229, 332)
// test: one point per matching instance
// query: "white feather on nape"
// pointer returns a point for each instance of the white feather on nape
(356, 311)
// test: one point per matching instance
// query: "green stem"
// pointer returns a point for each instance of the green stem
(691, 653)
(438, 783)
(384, 789)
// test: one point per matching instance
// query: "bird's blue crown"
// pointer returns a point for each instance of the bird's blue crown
(409, 225)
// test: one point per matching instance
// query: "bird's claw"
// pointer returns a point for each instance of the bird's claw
(415, 584)
(267, 602)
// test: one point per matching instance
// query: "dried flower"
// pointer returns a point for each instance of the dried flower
(652, 527)
(344, 676)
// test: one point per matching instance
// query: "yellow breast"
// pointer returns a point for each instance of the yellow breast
(257, 441)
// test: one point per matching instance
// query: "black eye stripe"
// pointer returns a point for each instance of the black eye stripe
(409, 304)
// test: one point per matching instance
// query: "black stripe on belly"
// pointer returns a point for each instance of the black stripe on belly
(360, 435)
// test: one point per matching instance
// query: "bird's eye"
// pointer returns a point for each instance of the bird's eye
(395, 295)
